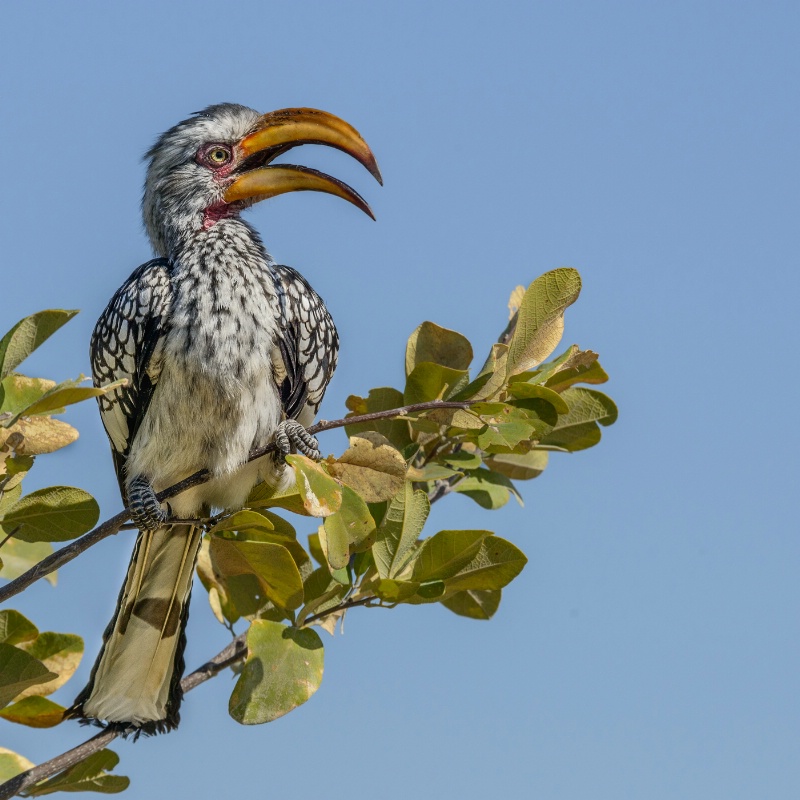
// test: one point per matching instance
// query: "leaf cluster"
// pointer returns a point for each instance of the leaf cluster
(453, 429)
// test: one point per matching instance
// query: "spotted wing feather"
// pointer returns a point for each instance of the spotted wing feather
(308, 344)
(126, 343)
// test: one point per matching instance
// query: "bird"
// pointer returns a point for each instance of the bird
(222, 351)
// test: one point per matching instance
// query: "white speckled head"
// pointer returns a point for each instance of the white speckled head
(179, 187)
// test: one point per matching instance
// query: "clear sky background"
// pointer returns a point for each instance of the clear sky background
(650, 648)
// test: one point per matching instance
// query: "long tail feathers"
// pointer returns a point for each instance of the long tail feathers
(135, 682)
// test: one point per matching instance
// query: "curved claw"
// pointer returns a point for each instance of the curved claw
(290, 435)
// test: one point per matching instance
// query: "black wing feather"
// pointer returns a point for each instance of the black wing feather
(126, 343)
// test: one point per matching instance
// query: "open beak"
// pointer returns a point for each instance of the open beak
(278, 132)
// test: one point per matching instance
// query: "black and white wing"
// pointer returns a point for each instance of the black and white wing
(308, 342)
(127, 343)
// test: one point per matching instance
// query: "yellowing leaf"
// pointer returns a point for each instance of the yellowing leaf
(59, 652)
(17, 392)
(540, 322)
(39, 435)
(67, 394)
(370, 466)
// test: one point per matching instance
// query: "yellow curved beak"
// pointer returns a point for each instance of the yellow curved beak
(279, 131)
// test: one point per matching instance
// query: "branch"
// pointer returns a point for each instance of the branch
(111, 526)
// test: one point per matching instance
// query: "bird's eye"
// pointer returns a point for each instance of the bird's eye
(217, 156)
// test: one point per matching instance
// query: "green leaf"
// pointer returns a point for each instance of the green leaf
(19, 557)
(564, 378)
(476, 604)
(334, 544)
(522, 466)
(14, 628)
(430, 381)
(395, 591)
(27, 335)
(381, 399)
(494, 566)
(35, 712)
(268, 566)
(431, 472)
(357, 527)
(572, 358)
(321, 592)
(283, 669)
(11, 764)
(488, 489)
(540, 321)
(55, 514)
(462, 460)
(315, 548)
(89, 775)
(321, 494)
(59, 652)
(526, 391)
(371, 466)
(19, 671)
(505, 435)
(430, 590)
(492, 377)
(265, 496)
(444, 554)
(438, 345)
(248, 521)
(399, 530)
(578, 430)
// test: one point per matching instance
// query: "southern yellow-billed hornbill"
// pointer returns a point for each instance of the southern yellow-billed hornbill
(223, 351)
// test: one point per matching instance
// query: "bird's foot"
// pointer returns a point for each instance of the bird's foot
(292, 435)
(146, 511)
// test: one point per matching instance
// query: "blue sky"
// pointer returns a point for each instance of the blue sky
(650, 648)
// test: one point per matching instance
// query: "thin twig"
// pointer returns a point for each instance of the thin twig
(111, 526)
